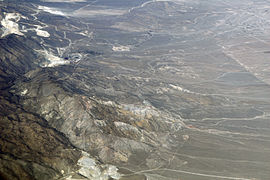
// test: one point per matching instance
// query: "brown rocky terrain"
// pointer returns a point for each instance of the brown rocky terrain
(30, 148)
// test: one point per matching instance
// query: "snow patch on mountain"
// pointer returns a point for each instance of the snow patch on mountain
(51, 10)
(52, 60)
(10, 24)
(120, 48)
(180, 88)
(66, 1)
(90, 169)
(40, 32)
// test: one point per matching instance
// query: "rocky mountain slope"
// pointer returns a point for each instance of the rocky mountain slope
(30, 147)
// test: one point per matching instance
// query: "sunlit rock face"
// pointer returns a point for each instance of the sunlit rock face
(124, 89)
